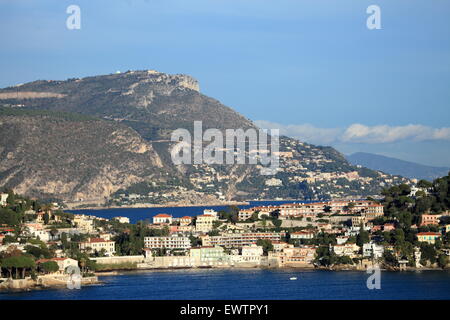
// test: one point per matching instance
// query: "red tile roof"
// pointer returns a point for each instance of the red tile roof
(163, 215)
(428, 234)
(97, 240)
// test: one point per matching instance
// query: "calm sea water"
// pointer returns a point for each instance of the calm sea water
(136, 214)
(253, 284)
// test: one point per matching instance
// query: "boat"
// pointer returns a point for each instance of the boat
(293, 278)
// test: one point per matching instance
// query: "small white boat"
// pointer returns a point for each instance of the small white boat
(293, 278)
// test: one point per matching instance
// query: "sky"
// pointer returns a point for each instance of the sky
(309, 67)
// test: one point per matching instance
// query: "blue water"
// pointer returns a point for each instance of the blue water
(253, 284)
(136, 214)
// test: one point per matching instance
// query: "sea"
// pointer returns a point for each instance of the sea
(251, 284)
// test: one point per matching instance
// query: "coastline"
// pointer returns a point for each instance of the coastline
(26, 285)
(76, 206)
(338, 268)
(168, 205)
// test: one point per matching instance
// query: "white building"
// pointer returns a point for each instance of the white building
(97, 244)
(3, 198)
(63, 263)
(302, 235)
(341, 239)
(210, 212)
(252, 253)
(204, 223)
(36, 230)
(162, 218)
(273, 182)
(173, 242)
(122, 219)
(83, 222)
(349, 249)
(373, 249)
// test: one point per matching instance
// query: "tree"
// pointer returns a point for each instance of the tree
(362, 237)
(214, 232)
(53, 231)
(18, 263)
(254, 217)
(195, 241)
(349, 207)
(64, 241)
(344, 260)
(49, 267)
(389, 258)
(325, 257)
(428, 253)
(216, 224)
(46, 218)
(265, 244)
(424, 184)
(277, 223)
(442, 260)
(399, 236)
(38, 252)
(9, 239)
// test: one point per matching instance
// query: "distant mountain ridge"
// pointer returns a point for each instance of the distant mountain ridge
(98, 139)
(395, 166)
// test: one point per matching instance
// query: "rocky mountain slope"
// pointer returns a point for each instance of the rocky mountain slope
(59, 157)
(107, 139)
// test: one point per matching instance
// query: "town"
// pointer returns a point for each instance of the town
(408, 229)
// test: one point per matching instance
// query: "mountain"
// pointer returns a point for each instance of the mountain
(106, 140)
(151, 102)
(396, 166)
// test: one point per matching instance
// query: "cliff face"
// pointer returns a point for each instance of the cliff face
(72, 160)
(97, 138)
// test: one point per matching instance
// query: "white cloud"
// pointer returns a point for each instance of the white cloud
(304, 132)
(359, 133)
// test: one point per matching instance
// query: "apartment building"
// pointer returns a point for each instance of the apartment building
(204, 223)
(97, 245)
(173, 242)
(348, 249)
(238, 240)
(430, 219)
(366, 207)
(245, 214)
(83, 222)
(208, 256)
(252, 253)
(302, 235)
(294, 256)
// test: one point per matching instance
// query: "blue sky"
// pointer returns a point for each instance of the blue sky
(311, 67)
